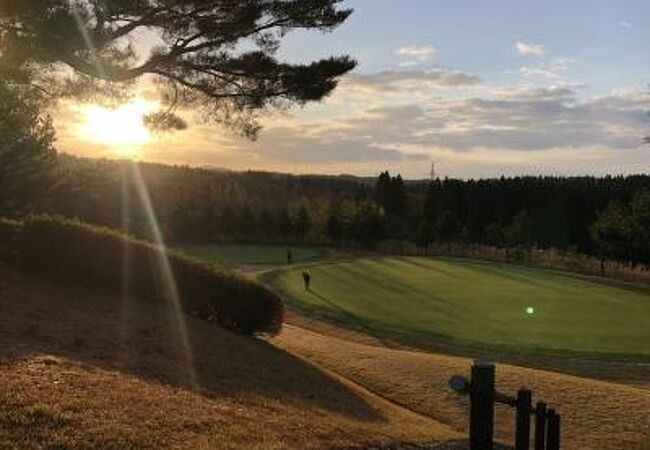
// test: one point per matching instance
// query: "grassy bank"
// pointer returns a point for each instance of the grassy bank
(74, 253)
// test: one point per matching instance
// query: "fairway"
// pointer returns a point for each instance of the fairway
(475, 302)
(249, 254)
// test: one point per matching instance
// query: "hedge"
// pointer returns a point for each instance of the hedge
(72, 252)
(9, 231)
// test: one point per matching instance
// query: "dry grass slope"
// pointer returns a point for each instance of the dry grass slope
(596, 415)
(81, 370)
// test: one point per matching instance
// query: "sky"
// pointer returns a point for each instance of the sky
(481, 89)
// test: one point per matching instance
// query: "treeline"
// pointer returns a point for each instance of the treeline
(605, 217)
(201, 205)
(540, 212)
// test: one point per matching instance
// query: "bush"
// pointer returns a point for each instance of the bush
(72, 252)
(9, 231)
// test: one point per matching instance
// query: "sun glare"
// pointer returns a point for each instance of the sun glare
(121, 129)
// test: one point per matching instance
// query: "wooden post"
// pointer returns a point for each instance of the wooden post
(481, 413)
(524, 408)
(553, 431)
(540, 425)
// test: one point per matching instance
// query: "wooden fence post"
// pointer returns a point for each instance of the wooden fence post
(540, 426)
(524, 408)
(553, 431)
(481, 414)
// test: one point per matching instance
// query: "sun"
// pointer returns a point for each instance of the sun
(121, 129)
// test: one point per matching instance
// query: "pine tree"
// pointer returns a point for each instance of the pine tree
(218, 54)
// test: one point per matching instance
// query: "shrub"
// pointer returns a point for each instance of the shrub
(72, 252)
(9, 230)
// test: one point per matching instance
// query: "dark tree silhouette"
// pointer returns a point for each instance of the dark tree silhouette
(448, 228)
(520, 232)
(302, 222)
(622, 231)
(284, 223)
(367, 227)
(27, 155)
(220, 54)
(334, 227)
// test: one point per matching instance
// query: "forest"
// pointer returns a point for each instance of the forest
(605, 217)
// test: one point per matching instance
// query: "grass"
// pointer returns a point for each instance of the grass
(245, 254)
(595, 415)
(84, 370)
(79, 254)
(474, 302)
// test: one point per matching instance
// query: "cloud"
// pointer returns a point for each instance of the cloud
(497, 129)
(401, 120)
(392, 80)
(416, 52)
(516, 119)
(529, 48)
(625, 25)
(554, 70)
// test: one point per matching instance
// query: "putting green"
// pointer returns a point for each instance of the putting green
(472, 301)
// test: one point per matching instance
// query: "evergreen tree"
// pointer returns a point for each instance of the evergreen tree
(302, 222)
(383, 190)
(284, 223)
(367, 227)
(448, 226)
(220, 55)
(334, 227)
(267, 226)
(247, 223)
(27, 155)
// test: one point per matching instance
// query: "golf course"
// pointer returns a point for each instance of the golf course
(473, 302)
(400, 327)
(253, 255)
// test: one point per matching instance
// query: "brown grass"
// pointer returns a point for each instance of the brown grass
(616, 371)
(81, 370)
(596, 415)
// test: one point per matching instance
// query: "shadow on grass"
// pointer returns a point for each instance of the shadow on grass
(350, 317)
(139, 338)
(429, 267)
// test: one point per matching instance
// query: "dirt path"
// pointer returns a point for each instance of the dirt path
(596, 415)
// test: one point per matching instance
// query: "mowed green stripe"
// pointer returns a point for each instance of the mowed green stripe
(477, 301)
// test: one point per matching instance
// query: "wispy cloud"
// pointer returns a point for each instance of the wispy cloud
(554, 70)
(395, 80)
(528, 48)
(417, 52)
(625, 25)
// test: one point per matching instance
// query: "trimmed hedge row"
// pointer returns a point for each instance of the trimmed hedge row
(9, 231)
(69, 251)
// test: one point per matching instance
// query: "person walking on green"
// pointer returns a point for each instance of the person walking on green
(306, 278)
(289, 256)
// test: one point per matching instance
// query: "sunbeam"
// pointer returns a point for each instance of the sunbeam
(126, 261)
(170, 289)
(172, 299)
